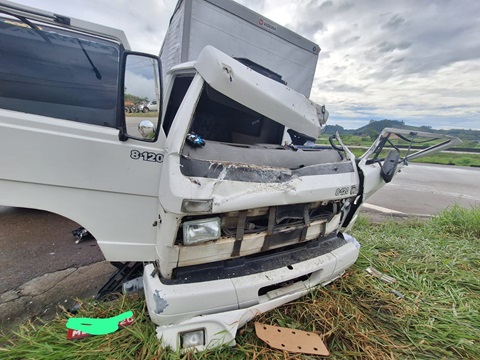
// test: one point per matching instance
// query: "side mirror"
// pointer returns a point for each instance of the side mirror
(389, 166)
(141, 97)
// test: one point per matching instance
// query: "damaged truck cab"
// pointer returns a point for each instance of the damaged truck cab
(253, 218)
(224, 196)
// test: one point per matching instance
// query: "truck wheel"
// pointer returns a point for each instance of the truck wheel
(145, 109)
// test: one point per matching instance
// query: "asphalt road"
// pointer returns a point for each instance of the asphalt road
(34, 243)
(428, 189)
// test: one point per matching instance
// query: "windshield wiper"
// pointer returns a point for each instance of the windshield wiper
(21, 18)
(94, 68)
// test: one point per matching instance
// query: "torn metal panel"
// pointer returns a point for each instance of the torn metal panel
(264, 155)
(259, 93)
(254, 173)
(410, 136)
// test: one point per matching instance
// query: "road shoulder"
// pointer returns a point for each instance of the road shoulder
(40, 297)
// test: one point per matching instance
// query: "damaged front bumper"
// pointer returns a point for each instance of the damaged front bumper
(214, 310)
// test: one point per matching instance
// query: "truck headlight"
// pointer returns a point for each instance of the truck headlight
(197, 231)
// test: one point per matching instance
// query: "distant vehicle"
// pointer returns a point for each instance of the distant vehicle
(151, 106)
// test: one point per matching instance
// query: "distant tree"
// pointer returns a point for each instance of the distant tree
(426, 128)
(332, 129)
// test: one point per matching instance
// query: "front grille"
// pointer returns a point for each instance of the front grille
(265, 261)
(272, 220)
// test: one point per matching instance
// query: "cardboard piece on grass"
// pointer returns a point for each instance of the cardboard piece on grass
(291, 340)
(97, 326)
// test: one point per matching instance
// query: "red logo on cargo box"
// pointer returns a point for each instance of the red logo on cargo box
(266, 25)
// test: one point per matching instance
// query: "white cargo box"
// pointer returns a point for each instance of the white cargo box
(240, 33)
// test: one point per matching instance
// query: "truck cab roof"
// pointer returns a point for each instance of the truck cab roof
(15, 10)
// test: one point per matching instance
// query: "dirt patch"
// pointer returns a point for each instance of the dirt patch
(378, 217)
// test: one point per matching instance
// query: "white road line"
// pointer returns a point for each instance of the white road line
(381, 209)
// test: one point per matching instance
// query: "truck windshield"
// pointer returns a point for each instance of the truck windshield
(219, 118)
(58, 73)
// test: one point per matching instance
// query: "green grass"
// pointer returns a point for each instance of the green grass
(355, 140)
(444, 158)
(441, 158)
(437, 267)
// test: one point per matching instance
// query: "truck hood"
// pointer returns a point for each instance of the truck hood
(267, 97)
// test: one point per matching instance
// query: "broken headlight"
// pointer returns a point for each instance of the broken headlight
(197, 231)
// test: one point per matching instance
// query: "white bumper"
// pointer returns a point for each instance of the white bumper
(220, 307)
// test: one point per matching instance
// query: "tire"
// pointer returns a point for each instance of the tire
(145, 109)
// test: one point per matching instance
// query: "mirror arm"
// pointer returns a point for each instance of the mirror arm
(122, 136)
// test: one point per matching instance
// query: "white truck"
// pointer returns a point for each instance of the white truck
(223, 199)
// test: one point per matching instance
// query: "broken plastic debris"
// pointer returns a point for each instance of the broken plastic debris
(77, 334)
(351, 239)
(378, 274)
(398, 293)
(81, 234)
(291, 340)
(98, 326)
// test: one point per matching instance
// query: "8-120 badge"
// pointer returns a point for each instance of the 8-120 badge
(146, 156)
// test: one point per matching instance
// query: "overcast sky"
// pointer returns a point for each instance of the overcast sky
(411, 60)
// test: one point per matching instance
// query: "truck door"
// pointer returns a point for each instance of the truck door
(61, 113)
(393, 149)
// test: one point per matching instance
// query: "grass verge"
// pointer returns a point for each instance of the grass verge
(432, 311)
(441, 158)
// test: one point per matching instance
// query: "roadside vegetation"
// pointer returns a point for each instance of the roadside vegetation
(442, 158)
(359, 144)
(432, 311)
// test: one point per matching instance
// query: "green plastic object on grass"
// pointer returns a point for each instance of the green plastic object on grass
(98, 326)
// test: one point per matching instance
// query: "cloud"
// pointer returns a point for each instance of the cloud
(394, 23)
(411, 60)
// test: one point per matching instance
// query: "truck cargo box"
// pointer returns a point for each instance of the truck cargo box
(240, 33)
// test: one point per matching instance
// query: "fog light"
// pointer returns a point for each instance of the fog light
(192, 338)
(196, 231)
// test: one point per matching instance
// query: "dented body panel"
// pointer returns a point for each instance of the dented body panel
(259, 93)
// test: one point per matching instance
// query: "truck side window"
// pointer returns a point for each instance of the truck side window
(179, 89)
(58, 73)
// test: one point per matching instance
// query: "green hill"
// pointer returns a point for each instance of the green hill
(373, 128)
